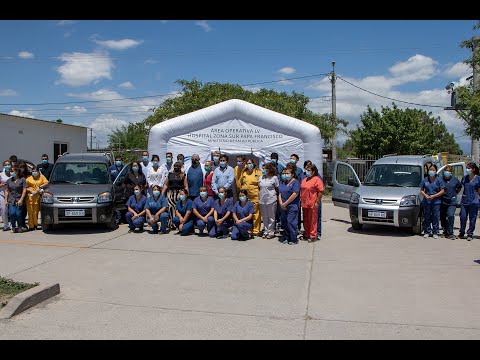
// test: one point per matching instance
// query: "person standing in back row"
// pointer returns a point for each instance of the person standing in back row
(194, 177)
(45, 167)
(432, 188)
(223, 176)
(311, 192)
(449, 202)
(470, 203)
(249, 181)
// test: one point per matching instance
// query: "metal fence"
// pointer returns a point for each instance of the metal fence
(361, 165)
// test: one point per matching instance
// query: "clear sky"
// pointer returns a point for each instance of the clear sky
(72, 62)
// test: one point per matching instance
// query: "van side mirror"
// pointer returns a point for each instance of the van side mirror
(353, 182)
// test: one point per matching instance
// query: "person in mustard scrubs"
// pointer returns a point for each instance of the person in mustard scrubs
(35, 185)
(249, 181)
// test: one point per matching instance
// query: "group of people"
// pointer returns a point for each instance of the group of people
(440, 201)
(21, 189)
(222, 201)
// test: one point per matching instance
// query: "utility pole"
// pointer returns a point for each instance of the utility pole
(476, 85)
(334, 113)
(91, 139)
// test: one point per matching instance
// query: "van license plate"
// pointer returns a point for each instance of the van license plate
(377, 214)
(74, 212)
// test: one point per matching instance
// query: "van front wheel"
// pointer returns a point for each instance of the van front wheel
(356, 225)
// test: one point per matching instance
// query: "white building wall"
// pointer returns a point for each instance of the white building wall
(30, 138)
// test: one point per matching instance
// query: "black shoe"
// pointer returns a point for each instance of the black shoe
(130, 230)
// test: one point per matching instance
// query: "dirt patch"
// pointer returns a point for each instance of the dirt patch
(4, 298)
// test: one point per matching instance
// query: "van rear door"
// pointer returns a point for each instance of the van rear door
(345, 182)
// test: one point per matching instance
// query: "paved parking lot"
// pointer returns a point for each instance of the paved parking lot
(380, 283)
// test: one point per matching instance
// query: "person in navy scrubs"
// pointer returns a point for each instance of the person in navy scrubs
(470, 203)
(203, 211)
(242, 214)
(157, 210)
(432, 189)
(289, 200)
(449, 202)
(222, 214)
(183, 219)
(136, 210)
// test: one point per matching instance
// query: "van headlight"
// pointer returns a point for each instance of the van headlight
(410, 200)
(355, 198)
(47, 198)
(104, 197)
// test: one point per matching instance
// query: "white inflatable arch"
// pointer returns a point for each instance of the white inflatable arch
(237, 127)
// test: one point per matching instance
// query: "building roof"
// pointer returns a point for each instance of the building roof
(47, 121)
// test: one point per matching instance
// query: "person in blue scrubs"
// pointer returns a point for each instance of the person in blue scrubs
(242, 214)
(449, 202)
(432, 189)
(183, 219)
(203, 211)
(157, 210)
(470, 202)
(114, 170)
(136, 210)
(289, 200)
(222, 214)
(195, 175)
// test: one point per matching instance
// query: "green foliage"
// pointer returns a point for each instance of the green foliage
(196, 96)
(393, 130)
(8, 286)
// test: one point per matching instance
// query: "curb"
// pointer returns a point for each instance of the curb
(29, 298)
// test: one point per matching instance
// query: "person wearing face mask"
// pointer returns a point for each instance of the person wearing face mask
(6, 174)
(449, 202)
(319, 221)
(154, 174)
(203, 210)
(242, 214)
(311, 192)
(268, 185)
(15, 195)
(156, 210)
(223, 176)
(238, 171)
(136, 210)
(432, 189)
(222, 215)
(115, 169)
(470, 202)
(195, 175)
(36, 184)
(279, 167)
(299, 176)
(45, 167)
(249, 181)
(134, 177)
(166, 167)
(181, 160)
(144, 163)
(176, 181)
(183, 219)
(207, 177)
(294, 160)
(216, 160)
(276, 163)
(288, 200)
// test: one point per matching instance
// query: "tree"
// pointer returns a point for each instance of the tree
(196, 95)
(394, 130)
(467, 96)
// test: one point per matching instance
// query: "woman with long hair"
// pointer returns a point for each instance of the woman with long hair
(249, 182)
(268, 185)
(5, 175)
(15, 194)
(470, 203)
(311, 192)
(35, 185)
(174, 183)
(432, 189)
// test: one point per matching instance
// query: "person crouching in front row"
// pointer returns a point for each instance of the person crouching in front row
(136, 210)
(157, 210)
(242, 214)
(183, 219)
(203, 211)
(222, 214)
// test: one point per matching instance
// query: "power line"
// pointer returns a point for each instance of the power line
(389, 98)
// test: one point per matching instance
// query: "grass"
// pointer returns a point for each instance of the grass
(10, 288)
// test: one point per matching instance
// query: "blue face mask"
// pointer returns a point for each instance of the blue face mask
(155, 163)
(468, 171)
(45, 162)
(250, 166)
(221, 195)
(168, 160)
(182, 197)
(284, 177)
(431, 173)
(203, 194)
(242, 198)
(7, 167)
(156, 193)
(308, 174)
(273, 161)
(447, 174)
(135, 168)
(216, 158)
(136, 192)
(34, 173)
(118, 163)
(207, 168)
(264, 172)
(239, 163)
(288, 177)
(145, 158)
(223, 164)
(292, 161)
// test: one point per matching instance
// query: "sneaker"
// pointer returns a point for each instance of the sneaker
(319, 237)
(19, 230)
(469, 238)
(137, 230)
(264, 236)
(270, 236)
(285, 242)
(130, 230)
(292, 243)
(452, 237)
(7, 229)
(461, 236)
(426, 236)
(310, 240)
(435, 236)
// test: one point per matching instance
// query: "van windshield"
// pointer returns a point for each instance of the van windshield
(395, 175)
(80, 173)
